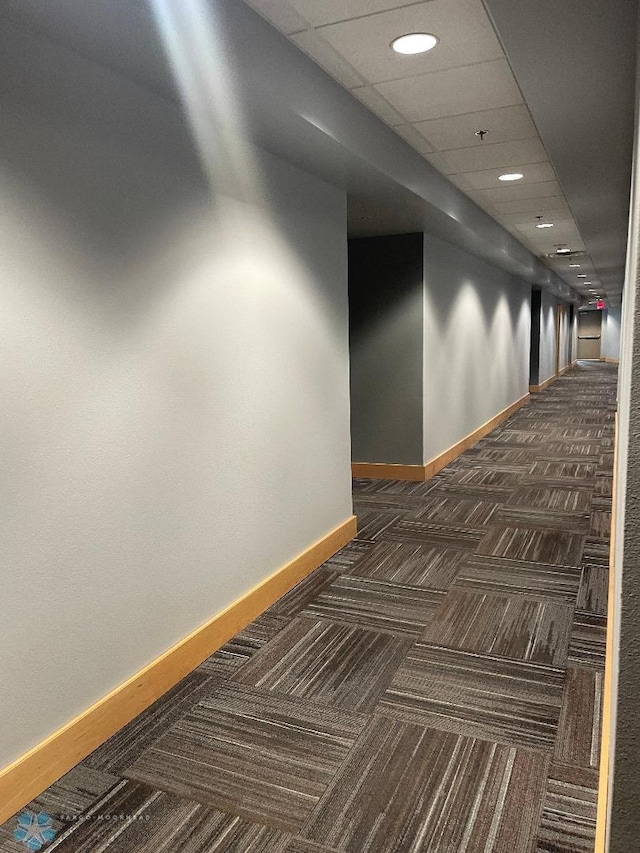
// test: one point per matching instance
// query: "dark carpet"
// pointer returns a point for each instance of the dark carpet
(436, 686)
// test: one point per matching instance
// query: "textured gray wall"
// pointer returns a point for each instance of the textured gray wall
(386, 320)
(625, 793)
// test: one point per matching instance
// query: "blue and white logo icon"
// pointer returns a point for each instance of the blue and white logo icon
(34, 830)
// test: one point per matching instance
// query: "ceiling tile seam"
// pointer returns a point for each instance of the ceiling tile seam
(449, 115)
(370, 14)
(387, 102)
(532, 184)
(479, 145)
(340, 57)
(497, 169)
(452, 68)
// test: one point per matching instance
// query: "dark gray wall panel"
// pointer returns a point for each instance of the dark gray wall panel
(386, 322)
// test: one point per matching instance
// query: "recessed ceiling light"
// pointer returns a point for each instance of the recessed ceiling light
(544, 225)
(563, 251)
(581, 275)
(414, 43)
(574, 265)
(511, 176)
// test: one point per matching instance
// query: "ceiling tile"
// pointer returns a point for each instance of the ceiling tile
(519, 190)
(504, 125)
(415, 139)
(379, 105)
(527, 223)
(465, 35)
(533, 173)
(546, 241)
(482, 201)
(525, 205)
(437, 161)
(458, 90)
(330, 11)
(501, 155)
(461, 181)
(281, 14)
(328, 58)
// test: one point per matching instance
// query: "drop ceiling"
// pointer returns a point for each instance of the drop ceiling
(438, 101)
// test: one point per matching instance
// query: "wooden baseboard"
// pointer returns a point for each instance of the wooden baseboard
(608, 360)
(385, 471)
(607, 699)
(535, 389)
(33, 772)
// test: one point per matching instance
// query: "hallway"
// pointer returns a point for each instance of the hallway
(435, 686)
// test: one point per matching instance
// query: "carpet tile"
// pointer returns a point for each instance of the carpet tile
(568, 822)
(248, 752)
(511, 626)
(516, 703)
(498, 576)
(436, 535)
(333, 665)
(532, 545)
(116, 754)
(376, 605)
(406, 788)
(579, 730)
(594, 590)
(238, 650)
(588, 640)
(412, 564)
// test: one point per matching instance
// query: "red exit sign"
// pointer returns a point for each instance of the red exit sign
(600, 303)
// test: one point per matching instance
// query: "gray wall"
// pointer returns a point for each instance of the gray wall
(564, 359)
(386, 322)
(611, 332)
(476, 343)
(175, 418)
(548, 338)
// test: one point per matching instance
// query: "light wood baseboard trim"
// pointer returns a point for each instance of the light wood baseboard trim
(443, 459)
(535, 389)
(387, 471)
(32, 773)
(384, 471)
(607, 699)
(610, 360)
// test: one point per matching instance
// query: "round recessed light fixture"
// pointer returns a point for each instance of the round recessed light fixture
(574, 265)
(413, 43)
(563, 251)
(544, 225)
(581, 275)
(511, 176)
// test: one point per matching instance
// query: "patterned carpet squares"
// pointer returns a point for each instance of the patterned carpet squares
(436, 687)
